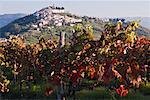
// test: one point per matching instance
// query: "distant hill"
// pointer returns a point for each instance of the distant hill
(145, 21)
(7, 18)
(144, 30)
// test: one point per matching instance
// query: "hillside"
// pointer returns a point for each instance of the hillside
(7, 18)
(50, 21)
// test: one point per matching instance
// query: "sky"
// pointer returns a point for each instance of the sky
(93, 8)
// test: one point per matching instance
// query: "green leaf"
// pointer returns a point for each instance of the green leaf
(78, 47)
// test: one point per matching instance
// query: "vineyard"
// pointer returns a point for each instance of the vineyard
(117, 63)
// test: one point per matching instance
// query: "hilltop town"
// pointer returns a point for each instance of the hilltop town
(54, 16)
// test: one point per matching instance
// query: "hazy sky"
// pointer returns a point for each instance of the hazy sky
(98, 8)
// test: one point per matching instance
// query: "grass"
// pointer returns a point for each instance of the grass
(96, 94)
(145, 89)
(99, 93)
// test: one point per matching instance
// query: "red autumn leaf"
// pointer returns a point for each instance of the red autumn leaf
(55, 80)
(81, 68)
(48, 91)
(122, 91)
(92, 72)
(75, 75)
